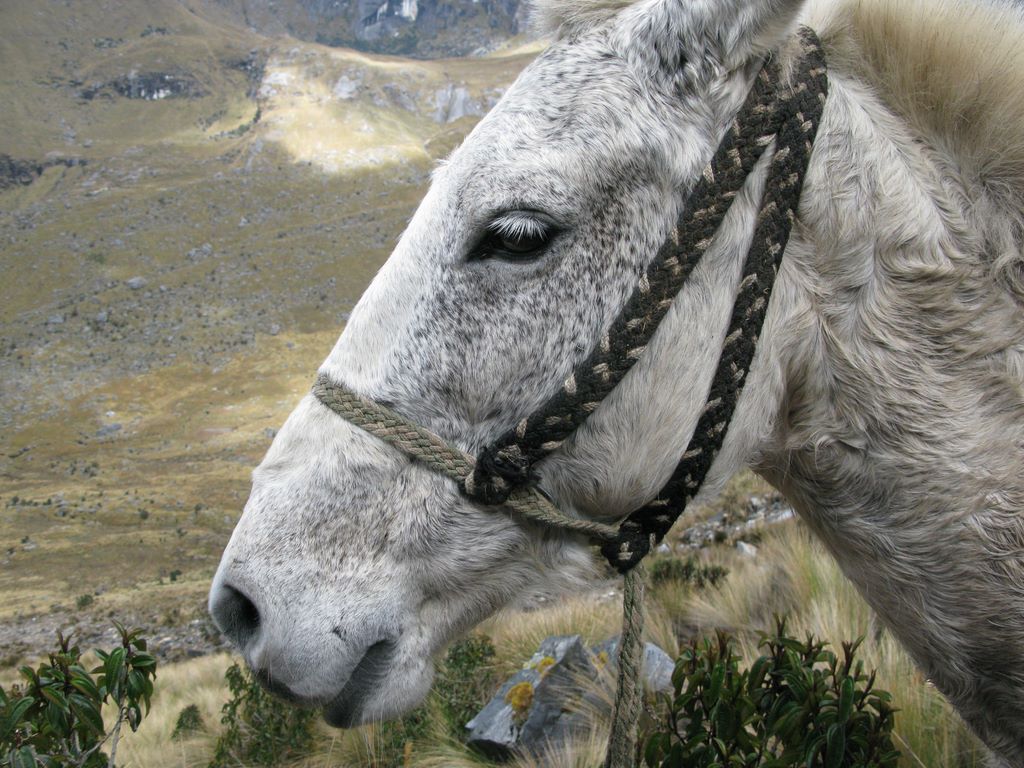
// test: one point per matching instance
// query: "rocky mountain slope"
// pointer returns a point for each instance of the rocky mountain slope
(421, 28)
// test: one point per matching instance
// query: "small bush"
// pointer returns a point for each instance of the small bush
(688, 571)
(84, 601)
(189, 722)
(465, 681)
(56, 717)
(258, 728)
(797, 705)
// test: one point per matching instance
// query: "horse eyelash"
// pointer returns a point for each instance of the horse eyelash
(517, 225)
(512, 225)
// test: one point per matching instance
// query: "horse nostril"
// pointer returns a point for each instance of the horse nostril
(236, 615)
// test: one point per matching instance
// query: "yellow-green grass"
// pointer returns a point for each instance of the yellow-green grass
(199, 682)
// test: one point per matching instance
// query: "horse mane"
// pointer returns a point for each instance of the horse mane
(952, 69)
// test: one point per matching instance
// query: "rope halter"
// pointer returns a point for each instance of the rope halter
(777, 118)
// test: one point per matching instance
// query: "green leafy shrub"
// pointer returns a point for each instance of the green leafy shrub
(463, 684)
(259, 729)
(688, 571)
(55, 718)
(797, 705)
(189, 721)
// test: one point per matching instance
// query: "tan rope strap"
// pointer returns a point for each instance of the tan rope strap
(629, 692)
(382, 422)
(439, 455)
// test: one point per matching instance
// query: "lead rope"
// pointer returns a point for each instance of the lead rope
(629, 690)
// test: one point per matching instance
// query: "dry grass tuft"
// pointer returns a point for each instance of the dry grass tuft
(200, 682)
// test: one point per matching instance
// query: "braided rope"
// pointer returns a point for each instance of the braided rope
(507, 462)
(382, 422)
(793, 141)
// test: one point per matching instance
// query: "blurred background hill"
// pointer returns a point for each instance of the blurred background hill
(192, 197)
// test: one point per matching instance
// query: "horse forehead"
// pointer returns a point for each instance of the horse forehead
(570, 92)
(551, 150)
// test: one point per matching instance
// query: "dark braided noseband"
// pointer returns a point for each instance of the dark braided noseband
(777, 119)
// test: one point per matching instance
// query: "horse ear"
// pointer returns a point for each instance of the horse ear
(733, 31)
(754, 27)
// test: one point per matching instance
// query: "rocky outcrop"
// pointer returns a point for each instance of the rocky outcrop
(150, 86)
(735, 524)
(14, 172)
(418, 28)
(17, 172)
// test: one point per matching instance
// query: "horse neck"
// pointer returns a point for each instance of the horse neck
(899, 421)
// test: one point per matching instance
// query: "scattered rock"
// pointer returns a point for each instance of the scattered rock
(274, 329)
(734, 524)
(453, 102)
(108, 429)
(396, 95)
(55, 320)
(17, 172)
(148, 86)
(657, 665)
(746, 549)
(541, 705)
(200, 252)
(348, 85)
(135, 283)
(529, 710)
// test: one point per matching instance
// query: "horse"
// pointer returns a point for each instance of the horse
(885, 400)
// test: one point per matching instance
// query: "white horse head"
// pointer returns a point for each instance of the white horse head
(352, 565)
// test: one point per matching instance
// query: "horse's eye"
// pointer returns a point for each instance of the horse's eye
(522, 242)
(515, 236)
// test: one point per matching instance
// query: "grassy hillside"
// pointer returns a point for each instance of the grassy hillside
(210, 205)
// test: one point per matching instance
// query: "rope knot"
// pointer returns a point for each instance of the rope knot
(629, 547)
(497, 473)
